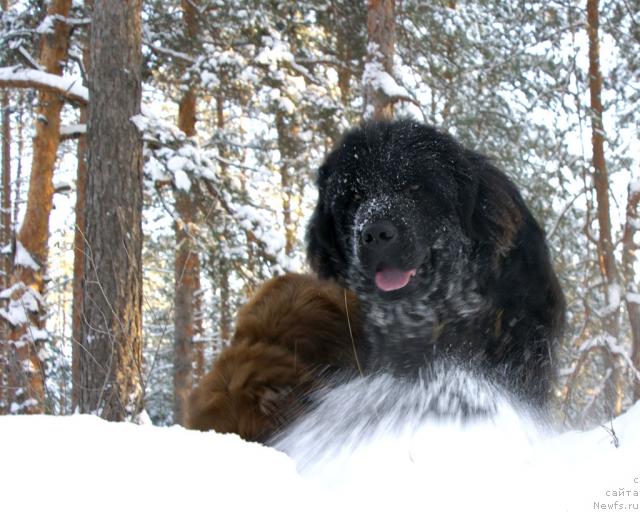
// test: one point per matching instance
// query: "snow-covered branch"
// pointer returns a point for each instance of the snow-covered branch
(72, 131)
(68, 86)
(171, 53)
(564, 211)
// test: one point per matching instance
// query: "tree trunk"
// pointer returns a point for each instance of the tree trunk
(289, 148)
(111, 352)
(6, 231)
(78, 247)
(6, 234)
(6, 188)
(381, 26)
(222, 279)
(187, 283)
(187, 259)
(78, 264)
(633, 293)
(606, 257)
(225, 306)
(26, 306)
(20, 148)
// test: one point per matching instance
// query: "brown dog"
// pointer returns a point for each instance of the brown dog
(294, 334)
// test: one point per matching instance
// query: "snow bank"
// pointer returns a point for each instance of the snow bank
(397, 445)
(84, 463)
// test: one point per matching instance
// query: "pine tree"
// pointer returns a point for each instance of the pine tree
(381, 25)
(26, 306)
(111, 354)
(187, 259)
(78, 242)
(5, 215)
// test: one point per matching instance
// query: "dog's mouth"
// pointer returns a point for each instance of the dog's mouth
(389, 279)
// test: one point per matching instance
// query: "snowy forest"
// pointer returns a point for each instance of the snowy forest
(223, 110)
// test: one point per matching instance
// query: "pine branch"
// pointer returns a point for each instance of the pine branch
(69, 87)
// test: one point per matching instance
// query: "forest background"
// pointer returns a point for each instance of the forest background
(123, 265)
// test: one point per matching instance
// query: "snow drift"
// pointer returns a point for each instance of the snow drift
(453, 440)
(84, 463)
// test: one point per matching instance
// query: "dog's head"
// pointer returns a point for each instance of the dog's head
(399, 202)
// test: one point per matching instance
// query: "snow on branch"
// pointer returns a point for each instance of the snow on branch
(23, 258)
(72, 131)
(614, 299)
(172, 157)
(612, 345)
(46, 26)
(633, 297)
(171, 53)
(22, 300)
(376, 77)
(68, 86)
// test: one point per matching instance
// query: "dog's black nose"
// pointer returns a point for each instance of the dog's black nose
(381, 232)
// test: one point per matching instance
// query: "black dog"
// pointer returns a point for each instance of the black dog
(443, 254)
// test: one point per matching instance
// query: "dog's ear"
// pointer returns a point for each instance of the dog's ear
(468, 184)
(324, 252)
(490, 205)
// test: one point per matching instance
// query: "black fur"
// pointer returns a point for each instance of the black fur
(484, 290)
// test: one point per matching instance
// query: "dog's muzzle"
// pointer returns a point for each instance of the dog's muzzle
(381, 252)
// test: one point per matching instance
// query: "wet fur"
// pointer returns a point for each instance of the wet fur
(485, 291)
(290, 339)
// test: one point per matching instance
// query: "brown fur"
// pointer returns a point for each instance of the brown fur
(289, 339)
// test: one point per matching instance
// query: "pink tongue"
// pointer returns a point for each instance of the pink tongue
(393, 279)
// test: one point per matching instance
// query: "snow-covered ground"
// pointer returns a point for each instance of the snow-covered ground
(84, 463)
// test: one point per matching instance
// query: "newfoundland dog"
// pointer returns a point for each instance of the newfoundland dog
(294, 335)
(444, 256)
(459, 305)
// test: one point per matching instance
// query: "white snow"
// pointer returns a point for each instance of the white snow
(15, 315)
(84, 463)
(73, 130)
(35, 334)
(182, 180)
(375, 74)
(376, 77)
(22, 300)
(46, 26)
(614, 296)
(177, 163)
(633, 297)
(24, 259)
(273, 51)
(71, 84)
(141, 122)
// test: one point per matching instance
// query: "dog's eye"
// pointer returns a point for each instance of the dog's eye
(356, 198)
(413, 188)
